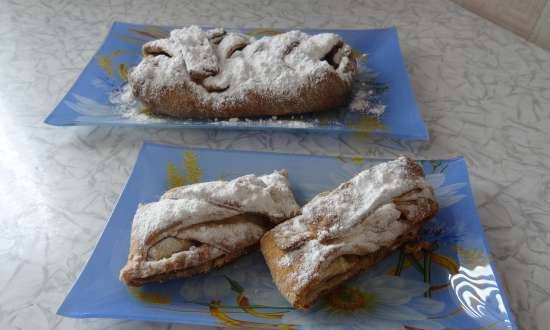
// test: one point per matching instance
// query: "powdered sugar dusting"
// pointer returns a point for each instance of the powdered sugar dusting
(191, 43)
(277, 65)
(357, 218)
(270, 122)
(361, 103)
(353, 201)
(267, 195)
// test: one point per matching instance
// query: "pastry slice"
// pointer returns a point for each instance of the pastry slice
(348, 229)
(195, 228)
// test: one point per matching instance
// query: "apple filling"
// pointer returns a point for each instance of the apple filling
(222, 236)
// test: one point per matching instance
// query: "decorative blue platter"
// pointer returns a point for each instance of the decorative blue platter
(96, 97)
(456, 287)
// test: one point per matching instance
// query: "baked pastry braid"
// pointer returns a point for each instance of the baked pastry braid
(213, 73)
(348, 229)
(195, 228)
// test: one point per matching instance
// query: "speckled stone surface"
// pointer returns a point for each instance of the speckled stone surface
(484, 92)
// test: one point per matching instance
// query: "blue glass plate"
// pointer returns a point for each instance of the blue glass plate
(456, 287)
(95, 97)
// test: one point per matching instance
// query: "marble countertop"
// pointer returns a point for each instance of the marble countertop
(483, 91)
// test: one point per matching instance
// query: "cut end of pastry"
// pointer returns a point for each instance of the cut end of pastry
(191, 250)
(130, 275)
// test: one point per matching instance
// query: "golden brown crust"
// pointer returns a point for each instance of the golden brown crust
(328, 93)
(132, 277)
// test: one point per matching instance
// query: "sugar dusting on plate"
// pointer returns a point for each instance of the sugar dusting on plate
(129, 107)
(361, 102)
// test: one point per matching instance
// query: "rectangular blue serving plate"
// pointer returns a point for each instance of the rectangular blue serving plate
(462, 290)
(89, 101)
